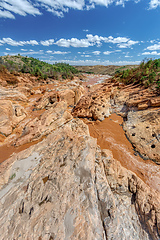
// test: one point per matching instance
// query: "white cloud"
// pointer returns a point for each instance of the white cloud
(89, 7)
(152, 41)
(154, 4)
(6, 14)
(92, 40)
(151, 53)
(47, 42)
(106, 3)
(95, 62)
(31, 42)
(8, 49)
(59, 7)
(117, 40)
(154, 47)
(74, 42)
(127, 56)
(96, 52)
(107, 53)
(25, 53)
(8, 8)
(128, 44)
(48, 51)
(57, 52)
(21, 7)
(32, 52)
(12, 42)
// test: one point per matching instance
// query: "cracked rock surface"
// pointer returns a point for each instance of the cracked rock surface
(62, 185)
(76, 191)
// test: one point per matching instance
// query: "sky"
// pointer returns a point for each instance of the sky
(81, 32)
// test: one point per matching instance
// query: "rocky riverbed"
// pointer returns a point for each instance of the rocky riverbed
(79, 160)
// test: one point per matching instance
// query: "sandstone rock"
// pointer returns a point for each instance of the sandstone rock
(143, 129)
(155, 102)
(69, 192)
(66, 187)
(12, 94)
(143, 198)
(142, 106)
(10, 116)
(67, 95)
(78, 94)
(95, 105)
(46, 100)
(47, 122)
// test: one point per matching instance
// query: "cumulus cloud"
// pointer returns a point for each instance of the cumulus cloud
(33, 52)
(95, 62)
(74, 42)
(49, 51)
(107, 53)
(151, 53)
(30, 52)
(92, 40)
(154, 4)
(106, 3)
(96, 52)
(47, 42)
(127, 44)
(57, 52)
(12, 42)
(8, 8)
(154, 47)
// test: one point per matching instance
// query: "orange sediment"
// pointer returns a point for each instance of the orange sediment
(110, 135)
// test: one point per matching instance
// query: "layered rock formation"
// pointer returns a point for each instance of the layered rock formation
(75, 191)
(64, 186)
(30, 110)
(138, 106)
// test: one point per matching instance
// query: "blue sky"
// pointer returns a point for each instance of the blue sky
(81, 32)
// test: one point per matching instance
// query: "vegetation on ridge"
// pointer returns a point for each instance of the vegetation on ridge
(37, 68)
(146, 74)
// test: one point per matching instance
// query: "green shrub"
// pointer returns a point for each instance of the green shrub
(152, 76)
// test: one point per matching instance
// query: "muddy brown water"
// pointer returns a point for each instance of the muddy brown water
(110, 135)
(8, 151)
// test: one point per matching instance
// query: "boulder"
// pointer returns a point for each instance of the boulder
(10, 116)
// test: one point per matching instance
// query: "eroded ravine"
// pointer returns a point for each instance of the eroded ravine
(36, 103)
(66, 187)
(110, 135)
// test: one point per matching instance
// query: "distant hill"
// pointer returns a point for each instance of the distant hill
(106, 70)
(37, 68)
